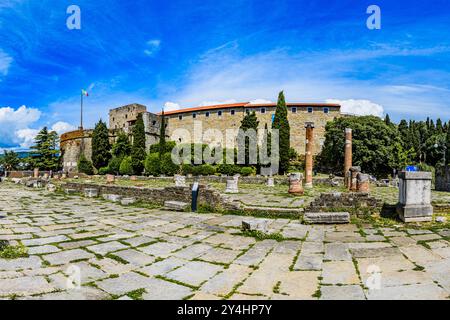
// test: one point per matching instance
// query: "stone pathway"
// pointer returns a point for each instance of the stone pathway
(135, 253)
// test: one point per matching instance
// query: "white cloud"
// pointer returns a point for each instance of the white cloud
(61, 127)
(26, 136)
(14, 122)
(359, 107)
(171, 106)
(260, 101)
(216, 102)
(152, 46)
(5, 63)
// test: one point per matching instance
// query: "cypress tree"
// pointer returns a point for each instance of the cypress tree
(122, 147)
(387, 120)
(439, 127)
(250, 121)
(162, 136)
(282, 124)
(138, 149)
(101, 148)
(447, 156)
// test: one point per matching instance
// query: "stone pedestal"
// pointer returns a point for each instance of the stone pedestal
(414, 203)
(180, 181)
(110, 179)
(232, 185)
(295, 184)
(270, 182)
(363, 183)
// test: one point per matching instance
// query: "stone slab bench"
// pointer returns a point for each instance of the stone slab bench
(327, 217)
(176, 205)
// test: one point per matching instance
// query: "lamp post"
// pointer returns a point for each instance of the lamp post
(445, 152)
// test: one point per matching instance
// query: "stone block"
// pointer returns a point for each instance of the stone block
(110, 179)
(295, 183)
(127, 201)
(232, 186)
(91, 192)
(176, 205)
(180, 181)
(255, 225)
(70, 191)
(327, 217)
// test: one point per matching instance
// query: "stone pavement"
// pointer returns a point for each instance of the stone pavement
(135, 253)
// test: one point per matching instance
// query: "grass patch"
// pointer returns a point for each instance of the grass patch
(136, 294)
(118, 259)
(259, 235)
(12, 252)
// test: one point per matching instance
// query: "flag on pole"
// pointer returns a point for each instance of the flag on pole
(84, 93)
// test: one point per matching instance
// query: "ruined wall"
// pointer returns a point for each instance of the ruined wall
(152, 124)
(228, 120)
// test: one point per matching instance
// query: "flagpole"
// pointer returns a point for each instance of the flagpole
(81, 113)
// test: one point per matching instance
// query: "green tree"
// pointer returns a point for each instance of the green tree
(377, 147)
(44, 152)
(10, 160)
(122, 147)
(250, 122)
(138, 149)
(152, 164)
(387, 120)
(282, 124)
(85, 166)
(447, 157)
(101, 148)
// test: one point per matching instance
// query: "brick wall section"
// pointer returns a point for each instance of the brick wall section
(207, 196)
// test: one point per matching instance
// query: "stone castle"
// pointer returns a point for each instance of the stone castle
(217, 117)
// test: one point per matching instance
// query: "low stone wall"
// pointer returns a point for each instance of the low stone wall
(244, 180)
(443, 179)
(207, 196)
(355, 202)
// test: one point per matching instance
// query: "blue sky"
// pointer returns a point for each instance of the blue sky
(189, 53)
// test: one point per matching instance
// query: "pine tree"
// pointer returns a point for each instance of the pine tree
(101, 148)
(249, 122)
(138, 153)
(447, 156)
(45, 153)
(439, 127)
(282, 124)
(122, 146)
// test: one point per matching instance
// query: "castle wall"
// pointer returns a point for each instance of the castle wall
(72, 145)
(228, 120)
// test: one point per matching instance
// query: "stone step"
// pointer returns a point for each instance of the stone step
(176, 205)
(327, 217)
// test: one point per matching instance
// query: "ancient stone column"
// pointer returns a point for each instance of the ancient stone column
(415, 196)
(36, 173)
(232, 185)
(348, 160)
(295, 183)
(110, 178)
(309, 154)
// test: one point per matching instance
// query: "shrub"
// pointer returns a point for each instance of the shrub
(248, 171)
(228, 169)
(125, 166)
(204, 170)
(169, 145)
(103, 171)
(187, 169)
(13, 252)
(152, 165)
(167, 166)
(85, 166)
(114, 165)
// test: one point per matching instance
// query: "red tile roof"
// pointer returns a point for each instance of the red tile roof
(247, 105)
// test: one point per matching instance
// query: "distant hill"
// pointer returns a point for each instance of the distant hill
(22, 154)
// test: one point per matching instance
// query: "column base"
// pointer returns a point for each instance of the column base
(415, 213)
